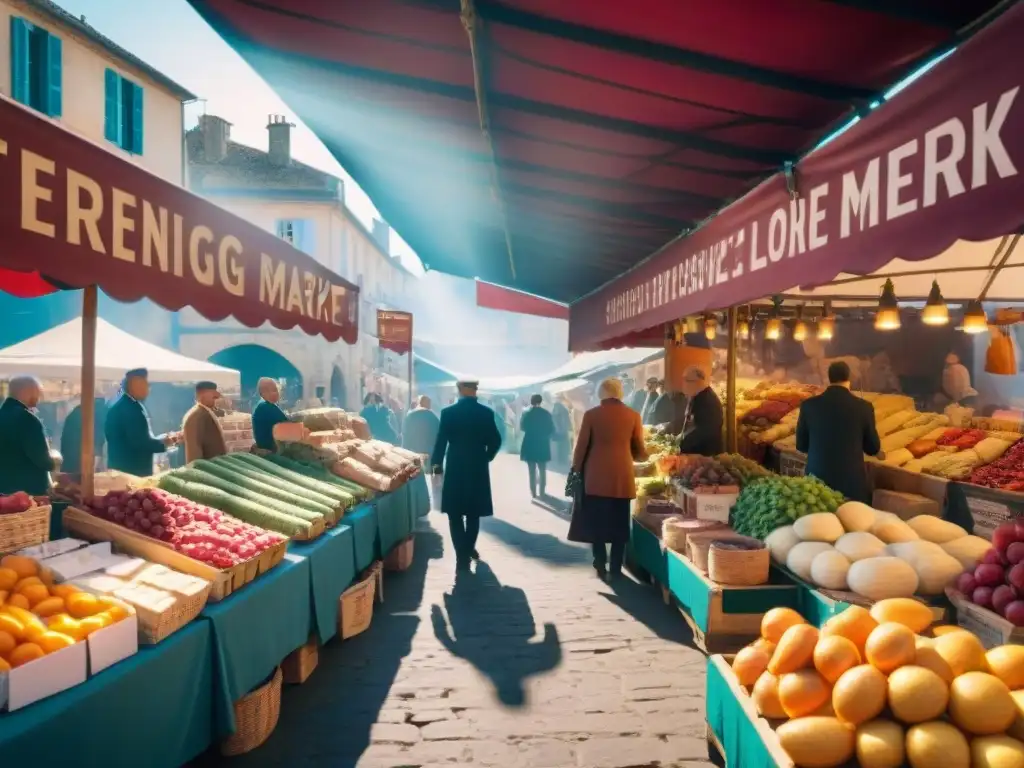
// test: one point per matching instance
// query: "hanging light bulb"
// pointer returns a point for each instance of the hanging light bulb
(935, 311)
(827, 324)
(888, 316)
(710, 327)
(975, 319)
(773, 328)
(800, 329)
(743, 328)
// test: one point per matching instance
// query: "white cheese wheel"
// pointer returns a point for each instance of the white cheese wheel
(880, 577)
(860, 545)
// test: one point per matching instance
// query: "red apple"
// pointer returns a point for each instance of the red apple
(1015, 577)
(989, 575)
(1015, 613)
(1002, 596)
(1004, 536)
(982, 596)
(993, 557)
(966, 583)
(1015, 552)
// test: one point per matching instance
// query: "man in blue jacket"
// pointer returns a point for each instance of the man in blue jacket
(25, 458)
(467, 442)
(266, 414)
(131, 444)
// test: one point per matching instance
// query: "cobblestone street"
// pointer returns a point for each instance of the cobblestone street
(531, 662)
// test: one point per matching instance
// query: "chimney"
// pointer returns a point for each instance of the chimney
(280, 140)
(382, 234)
(215, 132)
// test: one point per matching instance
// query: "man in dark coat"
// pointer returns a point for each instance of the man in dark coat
(71, 436)
(378, 418)
(836, 429)
(642, 400)
(131, 444)
(538, 428)
(25, 458)
(266, 414)
(700, 425)
(668, 407)
(201, 429)
(467, 442)
(419, 432)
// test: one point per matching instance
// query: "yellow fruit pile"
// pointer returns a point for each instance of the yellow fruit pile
(38, 617)
(869, 686)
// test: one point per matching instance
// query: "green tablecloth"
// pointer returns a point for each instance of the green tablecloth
(154, 708)
(740, 739)
(419, 497)
(332, 564)
(363, 520)
(253, 630)
(394, 519)
(646, 551)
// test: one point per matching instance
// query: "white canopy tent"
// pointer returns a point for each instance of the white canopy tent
(585, 364)
(57, 354)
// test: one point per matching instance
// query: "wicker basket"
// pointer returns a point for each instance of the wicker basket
(743, 562)
(256, 716)
(24, 529)
(154, 627)
(675, 531)
(301, 663)
(698, 546)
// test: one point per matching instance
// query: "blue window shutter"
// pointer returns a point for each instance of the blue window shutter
(136, 123)
(281, 226)
(54, 76)
(20, 60)
(306, 238)
(298, 228)
(112, 107)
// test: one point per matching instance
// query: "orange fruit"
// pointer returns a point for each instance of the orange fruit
(47, 577)
(18, 601)
(28, 581)
(82, 604)
(36, 593)
(4, 666)
(3, 596)
(63, 590)
(93, 623)
(65, 625)
(116, 613)
(11, 626)
(48, 607)
(23, 566)
(7, 643)
(777, 621)
(51, 642)
(25, 653)
(8, 578)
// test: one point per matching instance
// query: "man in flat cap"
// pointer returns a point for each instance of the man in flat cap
(467, 442)
(131, 444)
(201, 429)
(25, 456)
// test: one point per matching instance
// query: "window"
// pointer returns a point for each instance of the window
(301, 233)
(122, 123)
(35, 67)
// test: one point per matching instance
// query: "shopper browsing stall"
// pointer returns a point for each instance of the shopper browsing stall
(266, 414)
(700, 425)
(131, 444)
(25, 457)
(836, 429)
(204, 438)
(419, 432)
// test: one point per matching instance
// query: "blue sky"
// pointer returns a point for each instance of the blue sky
(170, 36)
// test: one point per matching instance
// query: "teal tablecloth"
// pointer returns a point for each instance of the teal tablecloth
(332, 564)
(253, 630)
(394, 519)
(363, 520)
(154, 708)
(419, 497)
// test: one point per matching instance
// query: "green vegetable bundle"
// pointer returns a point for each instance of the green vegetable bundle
(218, 476)
(341, 497)
(771, 502)
(320, 473)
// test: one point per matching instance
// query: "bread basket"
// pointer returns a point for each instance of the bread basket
(738, 562)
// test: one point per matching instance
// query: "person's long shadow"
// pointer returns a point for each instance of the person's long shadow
(491, 626)
(539, 546)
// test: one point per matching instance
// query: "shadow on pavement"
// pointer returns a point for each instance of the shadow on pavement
(491, 626)
(558, 507)
(645, 605)
(327, 721)
(538, 546)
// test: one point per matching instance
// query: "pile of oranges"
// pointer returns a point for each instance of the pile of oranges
(38, 617)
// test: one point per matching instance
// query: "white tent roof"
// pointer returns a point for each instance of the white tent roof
(57, 354)
(581, 365)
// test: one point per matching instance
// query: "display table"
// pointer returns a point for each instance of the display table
(394, 521)
(253, 630)
(419, 497)
(363, 521)
(332, 565)
(153, 709)
(734, 727)
(647, 552)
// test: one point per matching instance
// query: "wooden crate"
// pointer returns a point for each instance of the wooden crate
(91, 528)
(792, 464)
(302, 662)
(991, 628)
(723, 618)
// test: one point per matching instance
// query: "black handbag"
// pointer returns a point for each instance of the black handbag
(573, 484)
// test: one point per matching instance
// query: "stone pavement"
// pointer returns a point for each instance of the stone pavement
(529, 663)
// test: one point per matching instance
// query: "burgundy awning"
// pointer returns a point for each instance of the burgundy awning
(944, 161)
(616, 126)
(75, 214)
(491, 296)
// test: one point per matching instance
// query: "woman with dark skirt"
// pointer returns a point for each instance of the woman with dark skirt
(611, 438)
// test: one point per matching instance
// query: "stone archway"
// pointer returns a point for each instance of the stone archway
(339, 391)
(254, 361)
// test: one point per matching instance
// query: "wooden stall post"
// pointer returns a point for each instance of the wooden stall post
(730, 385)
(90, 300)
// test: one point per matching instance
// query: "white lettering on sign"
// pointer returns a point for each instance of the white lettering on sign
(119, 223)
(918, 174)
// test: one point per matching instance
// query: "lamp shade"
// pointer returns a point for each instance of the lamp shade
(710, 328)
(826, 328)
(888, 316)
(743, 329)
(935, 311)
(975, 319)
(773, 329)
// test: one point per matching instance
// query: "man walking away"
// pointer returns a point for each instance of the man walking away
(419, 432)
(204, 436)
(836, 429)
(538, 427)
(467, 442)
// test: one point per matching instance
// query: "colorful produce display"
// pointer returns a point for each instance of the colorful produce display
(875, 554)
(38, 617)
(657, 443)
(774, 501)
(15, 503)
(869, 689)
(997, 582)
(704, 471)
(191, 528)
(650, 486)
(1005, 473)
(743, 469)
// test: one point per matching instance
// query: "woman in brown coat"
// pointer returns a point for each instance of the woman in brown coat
(611, 438)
